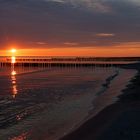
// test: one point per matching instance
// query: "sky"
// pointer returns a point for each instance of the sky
(70, 27)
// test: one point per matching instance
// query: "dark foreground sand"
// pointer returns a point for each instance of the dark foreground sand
(119, 121)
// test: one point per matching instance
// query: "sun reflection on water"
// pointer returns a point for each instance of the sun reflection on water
(13, 73)
(13, 59)
(14, 81)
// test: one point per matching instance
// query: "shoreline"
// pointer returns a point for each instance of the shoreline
(103, 122)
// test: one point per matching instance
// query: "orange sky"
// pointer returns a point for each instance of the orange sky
(129, 49)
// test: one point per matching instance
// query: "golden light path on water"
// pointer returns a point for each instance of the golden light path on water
(13, 77)
(23, 136)
(13, 60)
(14, 84)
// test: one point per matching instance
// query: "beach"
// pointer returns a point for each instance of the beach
(118, 121)
(49, 103)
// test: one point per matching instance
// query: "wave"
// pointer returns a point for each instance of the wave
(107, 83)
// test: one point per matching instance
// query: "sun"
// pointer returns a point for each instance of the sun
(13, 50)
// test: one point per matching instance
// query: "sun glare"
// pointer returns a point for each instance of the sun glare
(13, 50)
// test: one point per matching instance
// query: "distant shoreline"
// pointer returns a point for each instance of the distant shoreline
(102, 126)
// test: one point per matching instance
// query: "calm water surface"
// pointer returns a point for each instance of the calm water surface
(47, 103)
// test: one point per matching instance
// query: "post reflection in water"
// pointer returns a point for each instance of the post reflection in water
(13, 77)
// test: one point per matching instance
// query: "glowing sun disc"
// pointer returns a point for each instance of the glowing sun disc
(13, 50)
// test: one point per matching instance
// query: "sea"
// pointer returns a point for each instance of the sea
(47, 103)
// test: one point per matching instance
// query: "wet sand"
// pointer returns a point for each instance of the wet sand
(119, 121)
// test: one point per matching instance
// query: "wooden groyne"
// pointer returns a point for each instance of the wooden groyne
(67, 61)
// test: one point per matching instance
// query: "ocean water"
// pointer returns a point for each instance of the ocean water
(47, 103)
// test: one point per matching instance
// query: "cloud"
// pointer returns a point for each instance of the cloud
(105, 35)
(60, 1)
(71, 43)
(41, 43)
(136, 2)
(90, 5)
(74, 22)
